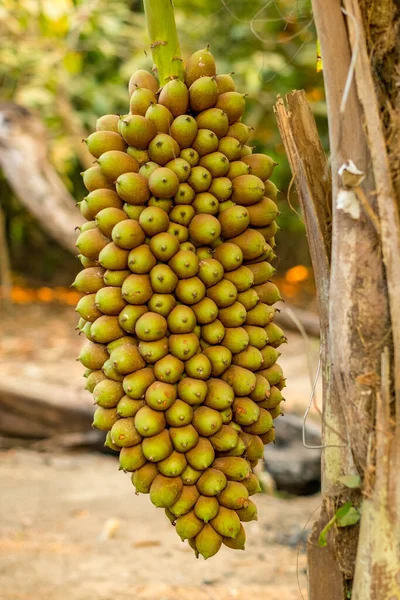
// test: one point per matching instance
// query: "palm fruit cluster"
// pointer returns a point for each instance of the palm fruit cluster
(178, 305)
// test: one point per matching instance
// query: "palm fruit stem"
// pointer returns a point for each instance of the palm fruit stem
(164, 41)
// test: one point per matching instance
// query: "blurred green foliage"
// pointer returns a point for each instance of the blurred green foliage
(70, 60)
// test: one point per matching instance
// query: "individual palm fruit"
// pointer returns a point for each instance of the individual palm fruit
(205, 203)
(204, 252)
(190, 291)
(91, 242)
(225, 83)
(215, 162)
(114, 163)
(262, 390)
(184, 438)
(261, 165)
(103, 141)
(188, 526)
(142, 79)
(148, 166)
(234, 468)
(200, 179)
(141, 99)
(191, 156)
(240, 131)
(137, 289)
(127, 407)
(94, 179)
(257, 336)
(263, 213)
(143, 478)
(237, 168)
(252, 484)
(160, 116)
(245, 411)
(183, 345)
(186, 500)
(181, 215)
(233, 315)
(153, 220)
(142, 157)
(184, 130)
(127, 359)
(129, 315)
(220, 359)
(221, 188)
(137, 131)
(133, 212)
(135, 384)
(211, 482)
(86, 214)
(276, 412)
(124, 433)
(87, 308)
(206, 508)
(237, 543)
(269, 231)
(107, 393)
(207, 421)
(173, 465)
(122, 341)
(192, 391)
(149, 422)
(234, 221)
(234, 496)
(108, 443)
(260, 315)
(250, 358)
(111, 372)
(213, 333)
(276, 337)
(132, 458)
(223, 293)
(185, 264)
(246, 151)
(93, 379)
(163, 279)
(162, 303)
(210, 271)
(204, 229)
(169, 369)
(226, 523)
(179, 231)
(230, 148)
(250, 242)
(164, 246)
(160, 396)
(175, 96)
(141, 260)
(184, 195)
(273, 400)
(133, 188)
(205, 143)
(201, 456)
(233, 104)
(219, 395)
(128, 234)
(271, 191)
(104, 418)
(236, 339)
(229, 255)
(207, 542)
(213, 119)
(262, 425)
(225, 439)
(179, 414)
(105, 329)
(115, 278)
(254, 446)
(247, 190)
(242, 380)
(109, 300)
(242, 278)
(113, 257)
(163, 182)
(248, 513)
(165, 491)
(181, 168)
(199, 64)
(190, 476)
(181, 319)
(107, 218)
(206, 311)
(163, 148)
(157, 447)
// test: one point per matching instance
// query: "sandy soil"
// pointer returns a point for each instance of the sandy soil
(73, 529)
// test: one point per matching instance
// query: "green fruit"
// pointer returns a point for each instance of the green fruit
(175, 96)
(109, 300)
(240, 131)
(133, 188)
(213, 333)
(160, 396)
(246, 151)
(133, 212)
(211, 482)
(247, 190)
(90, 243)
(137, 131)
(271, 191)
(234, 468)
(210, 271)
(122, 341)
(90, 280)
(173, 465)
(276, 412)
(185, 264)
(93, 379)
(158, 447)
(105, 329)
(220, 359)
(181, 168)
(252, 484)
(153, 220)
(254, 446)
(186, 501)
(104, 418)
(141, 99)
(107, 393)
(269, 231)
(208, 542)
(230, 148)
(206, 508)
(229, 255)
(169, 369)
(268, 293)
(162, 304)
(205, 143)
(233, 104)
(204, 252)
(226, 523)
(93, 179)
(142, 157)
(86, 214)
(260, 315)
(165, 491)
(184, 131)
(114, 258)
(250, 358)
(163, 182)
(276, 337)
(192, 391)
(188, 526)
(127, 407)
(111, 372)
(225, 83)
(103, 141)
(144, 477)
(234, 496)
(181, 319)
(141, 260)
(207, 421)
(245, 411)
(160, 116)
(199, 64)
(248, 513)
(213, 119)
(273, 400)
(225, 440)
(206, 311)
(263, 213)
(203, 94)
(251, 243)
(236, 339)
(180, 231)
(108, 443)
(136, 384)
(234, 221)
(127, 359)
(201, 456)
(261, 165)
(242, 380)
(124, 433)
(274, 374)
(87, 309)
(190, 476)
(198, 367)
(137, 289)
(233, 315)
(151, 327)
(184, 345)
(204, 229)
(164, 246)
(147, 167)
(223, 293)
(149, 422)
(263, 424)
(262, 390)
(237, 168)
(190, 155)
(131, 459)
(128, 234)
(179, 414)
(114, 163)
(219, 395)
(163, 148)
(205, 203)
(257, 336)
(107, 218)
(190, 291)
(221, 188)
(142, 79)
(237, 543)
(268, 437)
(184, 438)
(200, 179)
(184, 195)
(163, 279)
(129, 316)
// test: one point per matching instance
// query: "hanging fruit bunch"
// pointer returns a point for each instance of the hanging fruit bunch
(179, 304)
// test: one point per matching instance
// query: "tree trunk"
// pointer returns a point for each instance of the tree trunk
(361, 350)
(24, 160)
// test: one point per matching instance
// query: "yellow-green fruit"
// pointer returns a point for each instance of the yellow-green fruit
(93, 356)
(246, 412)
(200, 178)
(128, 234)
(190, 291)
(105, 329)
(160, 396)
(163, 148)
(186, 501)
(173, 465)
(233, 104)
(104, 418)
(127, 407)
(210, 271)
(90, 280)
(208, 542)
(114, 163)
(190, 476)
(220, 359)
(262, 390)
(158, 447)
(261, 165)
(260, 315)
(233, 315)
(206, 203)
(179, 414)
(257, 336)
(87, 309)
(144, 477)
(250, 358)
(206, 311)
(133, 188)
(271, 190)
(149, 422)
(165, 491)
(213, 333)
(185, 264)
(131, 459)
(226, 523)
(108, 393)
(203, 94)
(143, 79)
(199, 64)
(184, 438)
(206, 508)
(93, 179)
(170, 516)
(142, 156)
(111, 372)
(137, 131)
(151, 327)
(225, 439)
(137, 289)
(234, 468)
(213, 119)
(274, 399)
(252, 484)
(103, 141)
(268, 293)
(225, 83)
(237, 543)
(107, 218)
(234, 495)
(262, 425)
(212, 482)
(129, 316)
(240, 131)
(221, 188)
(220, 395)
(93, 379)
(91, 242)
(274, 374)
(153, 220)
(249, 299)
(160, 116)
(202, 455)
(276, 337)
(169, 369)
(113, 257)
(237, 168)
(124, 433)
(198, 367)
(229, 255)
(141, 99)
(141, 260)
(205, 143)
(108, 443)
(109, 300)
(192, 391)
(127, 359)
(164, 246)
(254, 446)
(276, 412)
(181, 168)
(175, 96)
(207, 421)
(188, 526)
(235, 340)
(270, 356)
(162, 304)
(268, 437)
(136, 384)
(248, 513)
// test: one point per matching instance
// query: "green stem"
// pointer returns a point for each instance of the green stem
(164, 41)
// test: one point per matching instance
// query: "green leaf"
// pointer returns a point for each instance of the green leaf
(351, 517)
(350, 481)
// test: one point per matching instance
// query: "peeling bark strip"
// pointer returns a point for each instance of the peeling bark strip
(24, 160)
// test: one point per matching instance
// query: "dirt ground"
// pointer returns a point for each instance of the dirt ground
(71, 527)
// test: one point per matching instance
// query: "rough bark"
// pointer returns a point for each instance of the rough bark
(24, 160)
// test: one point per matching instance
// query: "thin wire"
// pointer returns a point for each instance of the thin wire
(353, 61)
(310, 401)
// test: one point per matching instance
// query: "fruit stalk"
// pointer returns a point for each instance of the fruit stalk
(164, 41)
